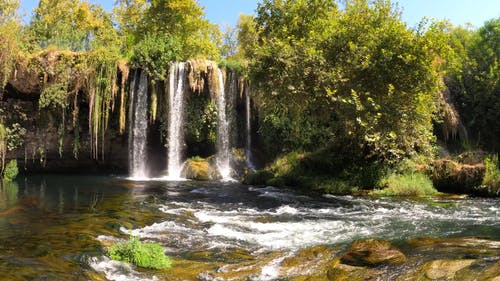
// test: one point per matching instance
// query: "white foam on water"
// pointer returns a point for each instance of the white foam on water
(117, 270)
(271, 271)
(108, 238)
(158, 179)
(285, 209)
(174, 211)
(160, 230)
(289, 227)
(287, 235)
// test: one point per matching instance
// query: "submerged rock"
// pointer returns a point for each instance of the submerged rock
(469, 247)
(341, 272)
(309, 263)
(372, 252)
(440, 269)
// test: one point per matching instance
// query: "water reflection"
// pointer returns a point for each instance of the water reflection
(8, 195)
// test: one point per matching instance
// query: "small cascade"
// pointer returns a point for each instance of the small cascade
(248, 116)
(138, 126)
(175, 134)
(223, 146)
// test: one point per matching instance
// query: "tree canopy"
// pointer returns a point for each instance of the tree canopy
(357, 76)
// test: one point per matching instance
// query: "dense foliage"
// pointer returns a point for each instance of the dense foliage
(357, 76)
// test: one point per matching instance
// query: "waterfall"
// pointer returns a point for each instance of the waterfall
(223, 153)
(138, 126)
(248, 116)
(175, 135)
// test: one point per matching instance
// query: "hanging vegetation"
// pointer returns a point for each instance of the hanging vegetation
(125, 71)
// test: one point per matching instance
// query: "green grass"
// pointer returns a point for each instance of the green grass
(148, 255)
(491, 180)
(409, 184)
(197, 159)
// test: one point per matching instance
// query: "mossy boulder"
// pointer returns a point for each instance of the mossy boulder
(197, 169)
(344, 272)
(372, 252)
(309, 263)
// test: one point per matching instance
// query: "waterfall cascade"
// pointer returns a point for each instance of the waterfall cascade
(138, 126)
(226, 99)
(248, 116)
(223, 146)
(175, 123)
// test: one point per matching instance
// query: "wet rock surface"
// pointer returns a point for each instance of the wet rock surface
(372, 252)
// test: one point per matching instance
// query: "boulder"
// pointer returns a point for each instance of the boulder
(341, 272)
(197, 169)
(372, 252)
(444, 269)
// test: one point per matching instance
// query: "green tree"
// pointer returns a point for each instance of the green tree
(479, 99)
(10, 30)
(171, 20)
(357, 76)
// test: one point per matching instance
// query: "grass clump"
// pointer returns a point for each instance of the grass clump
(491, 180)
(10, 172)
(407, 184)
(148, 255)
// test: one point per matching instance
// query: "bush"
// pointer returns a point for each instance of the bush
(155, 53)
(334, 186)
(409, 184)
(148, 255)
(10, 172)
(491, 180)
(259, 177)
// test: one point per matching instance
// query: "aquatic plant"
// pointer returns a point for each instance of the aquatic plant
(148, 255)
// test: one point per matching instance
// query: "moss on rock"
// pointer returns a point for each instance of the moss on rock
(372, 252)
(198, 169)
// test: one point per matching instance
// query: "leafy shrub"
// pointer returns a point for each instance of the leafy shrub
(154, 54)
(409, 184)
(491, 179)
(233, 65)
(10, 172)
(148, 255)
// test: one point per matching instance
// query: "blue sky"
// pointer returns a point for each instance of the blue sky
(459, 12)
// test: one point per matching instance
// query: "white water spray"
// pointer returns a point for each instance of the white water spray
(223, 147)
(248, 148)
(175, 134)
(138, 127)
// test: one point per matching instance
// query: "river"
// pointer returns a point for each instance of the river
(57, 227)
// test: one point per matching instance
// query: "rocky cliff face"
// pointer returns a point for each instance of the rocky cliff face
(89, 133)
